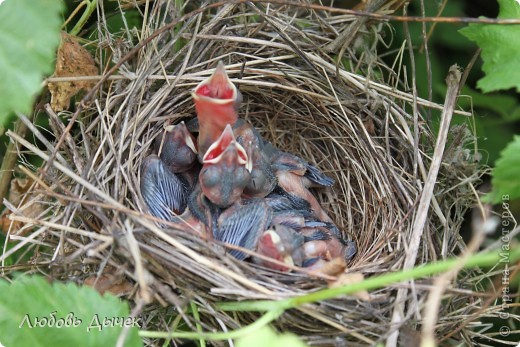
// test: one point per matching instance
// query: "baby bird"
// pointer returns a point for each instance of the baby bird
(224, 174)
(176, 148)
(325, 243)
(263, 179)
(217, 101)
(296, 176)
(280, 243)
(242, 225)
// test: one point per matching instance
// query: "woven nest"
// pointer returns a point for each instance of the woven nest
(93, 224)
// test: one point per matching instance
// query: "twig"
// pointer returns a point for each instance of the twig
(138, 309)
(452, 80)
(140, 271)
(73, 14)
(9, 161)
(93, 235)
(440, 284)
(427, 58)
(432, 28)
(468, 68)
(415, 109)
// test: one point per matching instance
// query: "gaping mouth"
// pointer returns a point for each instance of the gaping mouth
(218, 87)
(215, 152)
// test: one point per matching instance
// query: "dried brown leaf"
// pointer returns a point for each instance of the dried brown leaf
(73, 61)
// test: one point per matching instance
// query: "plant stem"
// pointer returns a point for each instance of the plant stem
(479, 259)
(91, 6)
(9, 161)
(195, 311)
(259, 323)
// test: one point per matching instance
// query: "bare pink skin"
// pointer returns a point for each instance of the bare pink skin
(291, 172)
(216, 102)
(297, 184)
(189, 223)
(282, 244)
(324, 249)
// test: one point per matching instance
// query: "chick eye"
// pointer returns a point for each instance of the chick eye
(209, 176)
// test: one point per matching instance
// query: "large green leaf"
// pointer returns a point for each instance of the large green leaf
(506, 182)
(504, 105)
(29, 36)
(28, 305)
(500, 46)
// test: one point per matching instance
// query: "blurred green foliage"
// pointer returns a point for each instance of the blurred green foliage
(27, 55)
(496, 114)
(505, 175)
(500, 46)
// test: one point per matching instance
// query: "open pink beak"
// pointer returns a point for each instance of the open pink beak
(224, 171)
(216, 102)
(216, 151)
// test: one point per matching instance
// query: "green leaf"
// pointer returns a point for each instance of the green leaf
(29, 36)
(266, 336)
(501, 104)
(116, 23)
(506, 185)
(500, 46)
(31, 299)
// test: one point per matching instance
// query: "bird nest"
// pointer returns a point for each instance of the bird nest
(313, 85)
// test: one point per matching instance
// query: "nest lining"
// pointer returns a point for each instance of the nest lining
(356, 130)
